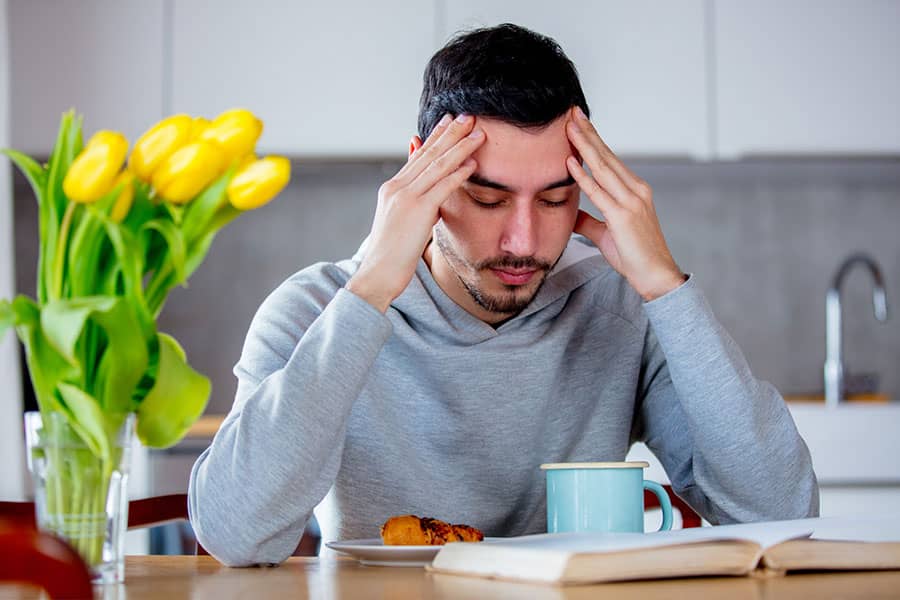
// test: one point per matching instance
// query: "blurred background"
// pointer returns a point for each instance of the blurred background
(770, 132)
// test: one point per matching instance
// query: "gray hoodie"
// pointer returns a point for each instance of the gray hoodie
(428, 410)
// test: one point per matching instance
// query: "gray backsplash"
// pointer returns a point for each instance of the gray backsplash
(763, 238)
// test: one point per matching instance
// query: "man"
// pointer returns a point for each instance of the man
(473, 338)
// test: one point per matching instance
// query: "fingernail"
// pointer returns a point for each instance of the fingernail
(462, 118)
(580, 113)
(444, 120)
(477, 133)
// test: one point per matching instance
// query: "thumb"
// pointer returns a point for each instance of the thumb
(591, 228)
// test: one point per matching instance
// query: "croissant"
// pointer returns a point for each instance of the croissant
(410, 530)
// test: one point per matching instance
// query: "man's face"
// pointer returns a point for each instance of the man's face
(501, 233)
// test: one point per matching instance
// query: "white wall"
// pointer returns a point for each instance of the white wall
(12, 479)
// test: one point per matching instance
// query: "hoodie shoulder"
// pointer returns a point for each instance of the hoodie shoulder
(584, 268)
(314, 285)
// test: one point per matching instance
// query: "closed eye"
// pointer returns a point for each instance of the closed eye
(487, 204)
(482, 203)
(554, 204)
(498, 203)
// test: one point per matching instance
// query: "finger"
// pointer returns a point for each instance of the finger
(430, 151)
(446, 164)
(620, 168)
(444, 188)
(435, 133)
(591, 228)
(598, 196)
(600, 168)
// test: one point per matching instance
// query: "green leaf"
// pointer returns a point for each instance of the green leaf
(64, 320)
(176, 400)
(86, 264)
(202, 209)
(46, 366)
(53, 205)
(125, 357)
(174, 241)
(124, 362)
(33, 171)
(87, 419)
(84, 267)
(200, 248)
(129, 260)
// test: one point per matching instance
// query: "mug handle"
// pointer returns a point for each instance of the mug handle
(664, 503)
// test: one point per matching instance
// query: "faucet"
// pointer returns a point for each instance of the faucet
(834, 365)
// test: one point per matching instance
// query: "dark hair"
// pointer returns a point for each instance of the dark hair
(505, 72)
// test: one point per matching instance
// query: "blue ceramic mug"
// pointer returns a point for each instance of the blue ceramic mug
(601, 496)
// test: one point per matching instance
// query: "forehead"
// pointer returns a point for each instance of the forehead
(524, 160)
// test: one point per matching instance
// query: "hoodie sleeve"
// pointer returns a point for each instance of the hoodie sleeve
(726, 439)
(304, 362)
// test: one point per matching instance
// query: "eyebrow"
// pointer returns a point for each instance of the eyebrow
(476, 179)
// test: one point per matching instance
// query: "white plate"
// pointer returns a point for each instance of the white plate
(373, 552)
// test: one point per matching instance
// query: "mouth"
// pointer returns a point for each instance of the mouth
(514, 276)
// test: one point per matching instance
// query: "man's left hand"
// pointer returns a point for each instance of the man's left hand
(630, 238)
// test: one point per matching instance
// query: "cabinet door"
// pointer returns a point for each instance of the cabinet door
(807, 77)
(642, 64)
(104, 58)
(336, 78)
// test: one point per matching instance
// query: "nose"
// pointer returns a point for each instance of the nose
(519, 236)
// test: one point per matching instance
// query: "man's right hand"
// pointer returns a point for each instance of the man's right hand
(408, 207)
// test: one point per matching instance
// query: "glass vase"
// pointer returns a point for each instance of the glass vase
(79, 496)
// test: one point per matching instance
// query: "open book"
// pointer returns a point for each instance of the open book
(779, 546)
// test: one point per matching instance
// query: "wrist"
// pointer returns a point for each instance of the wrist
(663, 285)
(361, 287)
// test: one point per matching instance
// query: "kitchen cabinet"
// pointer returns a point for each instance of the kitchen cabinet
(807, 77)
(706, 79)
(329, 79)
(642, 65)
(103, 58)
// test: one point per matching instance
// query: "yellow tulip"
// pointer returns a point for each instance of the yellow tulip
(250, 158)
(258, 182)
(186, 172)
(93, 172)
(236, 131)
(158, 143)
(198, 126)
(126, 197)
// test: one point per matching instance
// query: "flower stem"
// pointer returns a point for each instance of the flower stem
(59, 263)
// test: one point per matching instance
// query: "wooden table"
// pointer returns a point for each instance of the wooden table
(182, 577)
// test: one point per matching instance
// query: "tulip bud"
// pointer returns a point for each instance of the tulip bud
(126, 197)
(158, 143)
(258, 182)
(186, 172)
(93, 172)
(198, 126)
(236, 131)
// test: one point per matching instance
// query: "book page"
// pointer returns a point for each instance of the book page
(765, 534)
(857, 529)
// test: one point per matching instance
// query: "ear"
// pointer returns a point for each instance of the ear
(414, 144)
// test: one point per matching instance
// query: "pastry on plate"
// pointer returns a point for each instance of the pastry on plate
(410, 530)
